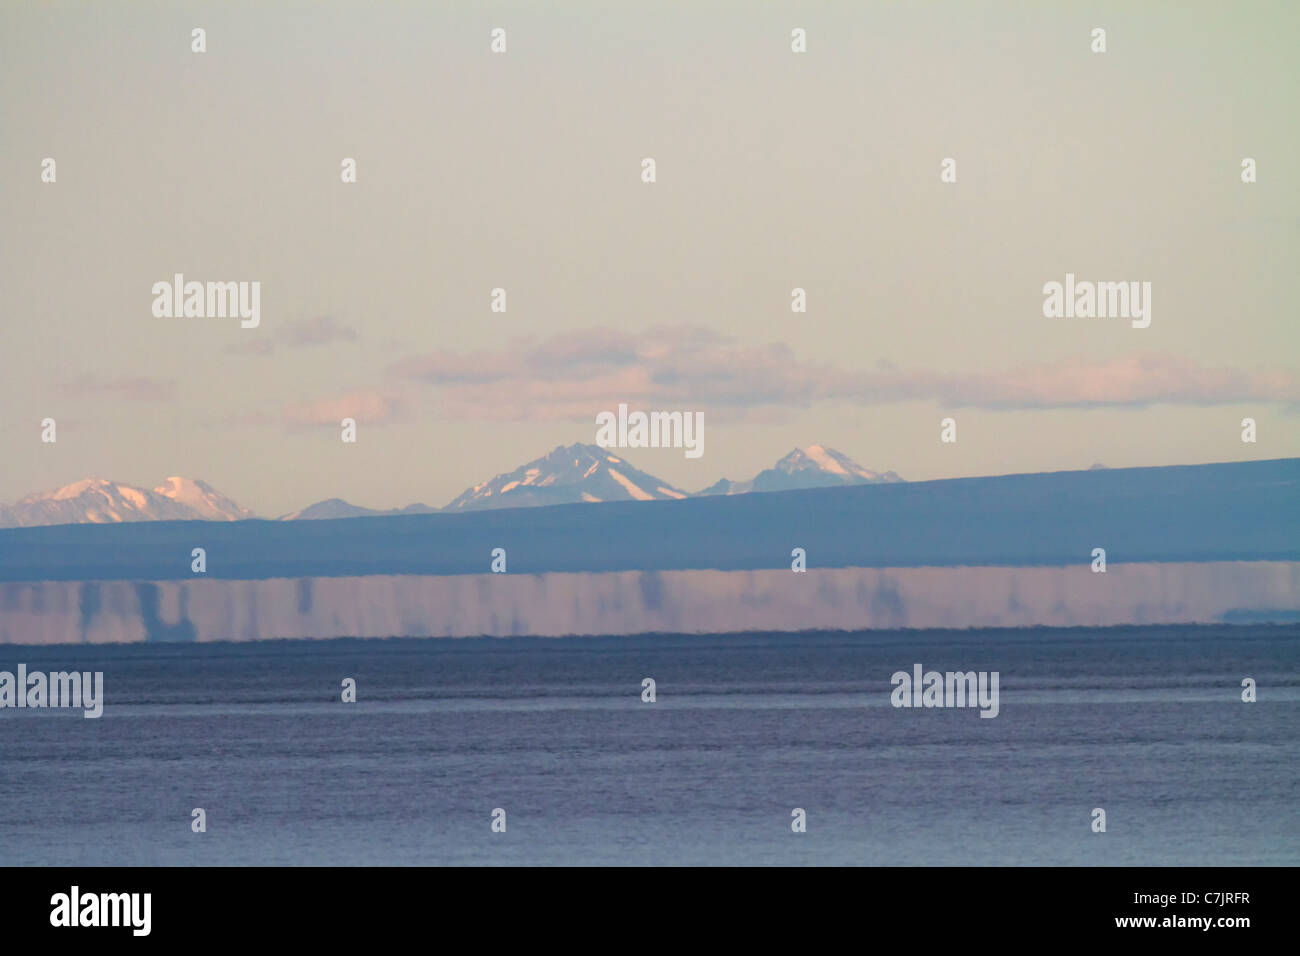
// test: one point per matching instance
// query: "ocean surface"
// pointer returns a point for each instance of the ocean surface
(1146, 723)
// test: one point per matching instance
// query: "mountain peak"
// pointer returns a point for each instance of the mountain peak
(819, 458)
(200, 496)
(71, 491)
(815, 466)
(570, 473)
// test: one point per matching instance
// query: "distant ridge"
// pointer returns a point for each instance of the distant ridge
(338, 508)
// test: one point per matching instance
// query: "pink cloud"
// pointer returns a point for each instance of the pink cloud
(570, 376)
(366, 405)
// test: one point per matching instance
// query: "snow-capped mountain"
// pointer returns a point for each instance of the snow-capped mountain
(813, 467)
(100, 501)
(201, 498)
(338, 508)
(568, 474)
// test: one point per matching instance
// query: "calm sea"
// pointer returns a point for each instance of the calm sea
(1147, 724)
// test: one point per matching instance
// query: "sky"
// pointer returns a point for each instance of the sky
(522, 170)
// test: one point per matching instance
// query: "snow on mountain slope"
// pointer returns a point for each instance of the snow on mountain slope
(202, 498)
(824, 459)
(813, 467)
(100, 501)
(568, 474)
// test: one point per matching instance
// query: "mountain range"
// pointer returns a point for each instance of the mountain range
(569, 474)
(100, 501)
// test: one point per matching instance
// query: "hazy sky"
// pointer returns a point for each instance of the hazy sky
(523, 171)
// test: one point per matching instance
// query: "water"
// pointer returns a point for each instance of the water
(1145, 723)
